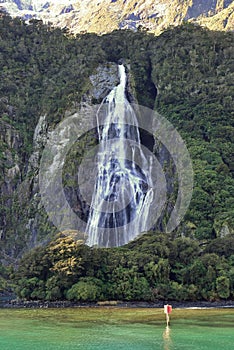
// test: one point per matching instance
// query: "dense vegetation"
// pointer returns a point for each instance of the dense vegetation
(154, 267)
(187, 75)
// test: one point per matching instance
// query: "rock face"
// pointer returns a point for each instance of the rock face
(62, 189)
(103, 81)
(10, 167)
(24, 213)
(206, 8)
(106, 15)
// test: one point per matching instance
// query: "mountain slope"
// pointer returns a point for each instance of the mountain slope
(106, 15)
(186, 74)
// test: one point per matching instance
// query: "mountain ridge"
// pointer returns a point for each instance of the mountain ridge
(107, 15)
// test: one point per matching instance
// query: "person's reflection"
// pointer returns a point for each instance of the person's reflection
(167, 343)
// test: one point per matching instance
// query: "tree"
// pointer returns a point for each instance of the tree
(87, 289)
(223, 287)
(54, 288)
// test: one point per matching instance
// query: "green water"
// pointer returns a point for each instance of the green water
(116, 329)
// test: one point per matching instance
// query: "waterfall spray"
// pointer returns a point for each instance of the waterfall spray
(123, 189)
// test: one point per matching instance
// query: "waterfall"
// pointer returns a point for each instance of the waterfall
(123, 190)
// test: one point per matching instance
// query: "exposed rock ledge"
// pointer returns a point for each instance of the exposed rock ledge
(119, 304)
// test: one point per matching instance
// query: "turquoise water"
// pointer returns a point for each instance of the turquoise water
(115, 329)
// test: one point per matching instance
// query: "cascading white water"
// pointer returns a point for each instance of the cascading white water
(123, 191)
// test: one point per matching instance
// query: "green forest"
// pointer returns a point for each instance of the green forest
(187, 75)
(154, 267)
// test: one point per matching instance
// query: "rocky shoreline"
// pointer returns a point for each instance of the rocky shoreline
(33, 304)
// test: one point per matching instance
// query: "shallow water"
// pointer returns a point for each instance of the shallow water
(116, 329)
